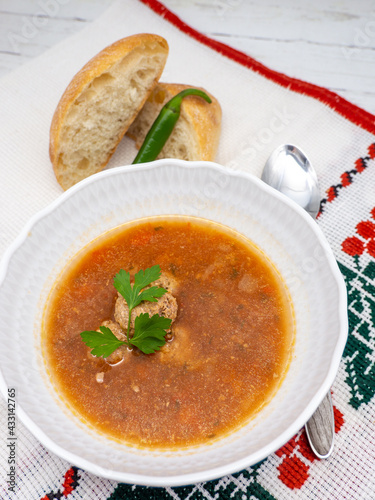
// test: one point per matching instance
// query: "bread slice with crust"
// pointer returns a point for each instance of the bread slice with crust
(197, 131)
(101, 102)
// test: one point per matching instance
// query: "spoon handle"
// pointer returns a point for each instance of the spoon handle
(320, 429)
(283, 172)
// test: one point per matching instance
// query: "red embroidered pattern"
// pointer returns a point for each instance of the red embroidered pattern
(70, 483)
(355, 246)
(347, 178)
(297, 457)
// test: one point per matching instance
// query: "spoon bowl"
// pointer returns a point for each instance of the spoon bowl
(289, 171)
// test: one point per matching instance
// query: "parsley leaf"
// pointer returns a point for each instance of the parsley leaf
(149, 332)
(151, 294)
(146, 277)
(133, 294)
(103, 343)
(122, 284)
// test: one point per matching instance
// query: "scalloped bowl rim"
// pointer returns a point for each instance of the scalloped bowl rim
(214, 473)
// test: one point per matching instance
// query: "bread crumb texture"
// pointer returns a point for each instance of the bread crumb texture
(100, 104)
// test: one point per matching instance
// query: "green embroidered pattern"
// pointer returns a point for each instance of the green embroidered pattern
(359, 350)
(236, 486)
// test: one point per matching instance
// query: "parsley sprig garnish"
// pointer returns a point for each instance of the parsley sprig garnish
(149, 332)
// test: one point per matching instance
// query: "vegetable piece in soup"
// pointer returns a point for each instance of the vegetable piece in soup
(227, 351)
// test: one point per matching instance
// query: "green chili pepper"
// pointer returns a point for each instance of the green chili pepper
(163, 125)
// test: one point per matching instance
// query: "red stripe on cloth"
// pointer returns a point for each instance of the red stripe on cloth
(350, 111)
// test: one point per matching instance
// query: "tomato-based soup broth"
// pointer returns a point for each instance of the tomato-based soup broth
(227, 352)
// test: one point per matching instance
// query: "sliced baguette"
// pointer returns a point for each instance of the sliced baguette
(100, 104)
(197, 131)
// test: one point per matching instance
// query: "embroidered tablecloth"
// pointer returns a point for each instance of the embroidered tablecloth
(261, 109)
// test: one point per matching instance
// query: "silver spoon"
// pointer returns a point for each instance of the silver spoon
(289, 171)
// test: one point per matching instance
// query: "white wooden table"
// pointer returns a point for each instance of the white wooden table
(327, 42)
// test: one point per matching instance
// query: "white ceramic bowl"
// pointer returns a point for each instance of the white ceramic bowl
(286, 233)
